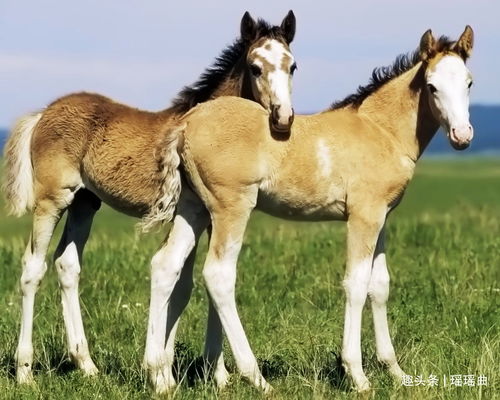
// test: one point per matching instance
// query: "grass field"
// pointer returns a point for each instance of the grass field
(444, 257)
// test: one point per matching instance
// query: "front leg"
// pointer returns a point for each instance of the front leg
(363, 228)
(229, 220)
(379, 293)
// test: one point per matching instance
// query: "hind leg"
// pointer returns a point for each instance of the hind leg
(212, 353)
(168, 298)
(47, 213)
(178, 302)
(68, 259)
(213, 347)
(214, 335)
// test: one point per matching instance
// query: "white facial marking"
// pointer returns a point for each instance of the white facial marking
(450, 100)
(258, 63)
(324, 158)
(274, 55)
(274, 52)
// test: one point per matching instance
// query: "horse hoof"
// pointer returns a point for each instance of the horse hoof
(163, 383)
(268, 389)
(221, 378)
(397, 372)
(363, 387)
(24, 376)
(89, 369)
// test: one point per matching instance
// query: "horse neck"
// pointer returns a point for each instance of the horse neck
(401, 108)
(237, 83)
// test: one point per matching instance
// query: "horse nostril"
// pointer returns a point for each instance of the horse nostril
(274, 112)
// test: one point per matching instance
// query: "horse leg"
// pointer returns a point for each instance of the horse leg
(213, 346)
(68, 259)
(166, 268)
(46, 215)
(363, 228)
(378, 292)
(228, 222)
(212, 353)
(178, 302)
(213, 341)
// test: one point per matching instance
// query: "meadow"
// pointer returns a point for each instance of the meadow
(444, 257)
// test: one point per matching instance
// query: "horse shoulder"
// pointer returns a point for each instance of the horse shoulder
(225, 143)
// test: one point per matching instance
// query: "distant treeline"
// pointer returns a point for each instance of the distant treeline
(485, 119)
(486, 123)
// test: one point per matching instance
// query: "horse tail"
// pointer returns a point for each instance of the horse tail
(163, 209)
(18, 170)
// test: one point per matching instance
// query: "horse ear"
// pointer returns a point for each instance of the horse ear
(248, 27)
(427, 43)
(463, 46)
(288, 27)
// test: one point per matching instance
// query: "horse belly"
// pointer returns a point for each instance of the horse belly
(289, 205)
(128, 204)
(130, 188)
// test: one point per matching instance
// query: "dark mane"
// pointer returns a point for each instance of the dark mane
(215, 75)
(382, 75)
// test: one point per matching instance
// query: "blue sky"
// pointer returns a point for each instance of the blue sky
(143, 52)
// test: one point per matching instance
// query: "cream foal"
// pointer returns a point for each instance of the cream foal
(352, 162)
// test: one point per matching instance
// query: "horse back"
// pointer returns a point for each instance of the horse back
(111, 147)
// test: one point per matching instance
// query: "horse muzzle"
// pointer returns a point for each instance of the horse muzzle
(281, 118)
(460, 137)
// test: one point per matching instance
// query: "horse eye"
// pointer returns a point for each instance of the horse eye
(470, 84)
(293, 68)
(256, 70)
(432, 88)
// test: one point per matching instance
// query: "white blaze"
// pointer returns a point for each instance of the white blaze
(280, 87)
(451, 78)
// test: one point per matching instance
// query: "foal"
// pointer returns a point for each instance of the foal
(85, 148)
(352, 162)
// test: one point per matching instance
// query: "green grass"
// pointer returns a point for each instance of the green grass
(444, 257)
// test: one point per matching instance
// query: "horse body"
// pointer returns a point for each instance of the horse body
(314, 175)
(351, 162)
(105, 143)
(332, 164)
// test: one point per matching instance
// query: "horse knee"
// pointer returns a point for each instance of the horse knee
(165, 270)
(356, 290)
(220, 281)
(379, 290)
(379, 284)
(68, 267)
(34, 269)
